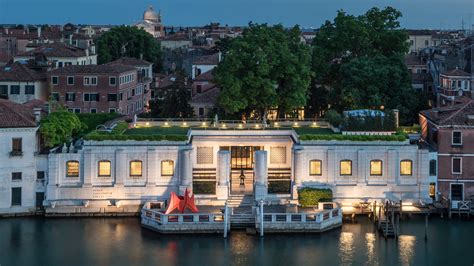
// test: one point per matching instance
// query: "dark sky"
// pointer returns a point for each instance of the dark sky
(307, 13)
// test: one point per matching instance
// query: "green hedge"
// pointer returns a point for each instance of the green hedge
(279, 187)
(93, 120)
(397, 137)
(312, 196)
(101, 137)
(204, 188)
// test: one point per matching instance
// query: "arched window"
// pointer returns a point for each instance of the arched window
(72, 169)
(104, 168)
(136, 168)
(315, 167)
(376, 167)
(406, 167)
(167, 168)
(345, 167)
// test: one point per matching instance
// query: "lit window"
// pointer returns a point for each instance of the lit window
(315, 167)
(376, 167)
(167, 168)
(136, 168)
(406, 167)
(72, 168)
(104, 168)
(346, 167)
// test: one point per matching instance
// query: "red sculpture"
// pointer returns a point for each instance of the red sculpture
(181, 203)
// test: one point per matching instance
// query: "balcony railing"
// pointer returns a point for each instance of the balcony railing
(16, 153)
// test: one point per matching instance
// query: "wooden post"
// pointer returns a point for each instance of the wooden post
(449, 208)
(374, 211)
(225, 220)
(398, 227)
(261, 218)
(401, 211)
(426, 227)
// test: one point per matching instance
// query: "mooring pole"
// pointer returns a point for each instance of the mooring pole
(225, 220)
(426, 227)
(261, 218)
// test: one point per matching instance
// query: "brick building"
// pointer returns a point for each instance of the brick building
(450, 130)
(100, 88)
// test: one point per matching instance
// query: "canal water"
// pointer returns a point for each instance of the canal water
(121, 241)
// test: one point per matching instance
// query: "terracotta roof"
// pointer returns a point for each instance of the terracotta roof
(5, 57)
(19, 71)
(56, 49)
(456, 73)
(130, 61)
(16, 115)
(93, 69)
(454, 115)
(207, 97)
(206, 76)
(212, 59)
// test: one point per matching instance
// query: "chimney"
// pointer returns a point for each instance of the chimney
(435, 113)
(70, 39)
(396, 113)
(39, 32)
(37, 112)
(141, 56)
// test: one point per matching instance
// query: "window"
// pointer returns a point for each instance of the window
(406, 167)
(91, 97)
(204, 155)
(432, 167)
(60, 64)
(167, 168)
(90, 80)
(72, 169)
(104, 168)
(121, 96)
(54, 80)
(112, 110)
(30, 89)
(376, 167)
(198, 88)
(345, 167)
(55, 96)
(17, 145)
(74, 110)
(133, 92)
(315, 167)
(426, 42)
(14, 89)
(201, 111)
(457, 138)
(93, 110)
(16, 176)
(457, 192)
(432, 191)
(70, 96)
(277, 155)
(70, 80)
(40, 175)
(112, 97)
(136, 168)
(112, 81)
(456, 165)
(16, 196)
(3, 91)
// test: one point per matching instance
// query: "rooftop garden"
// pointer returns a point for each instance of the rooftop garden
(121, 132)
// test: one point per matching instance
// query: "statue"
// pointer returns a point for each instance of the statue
(181, 203)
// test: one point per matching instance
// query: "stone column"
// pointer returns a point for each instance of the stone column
(393, 167)
(87, 168)
(298, 164)
(362, 166)
(331, 167)
(261, 175)
(152, 171)
(223, 174)
(186, 173)
(121, 166)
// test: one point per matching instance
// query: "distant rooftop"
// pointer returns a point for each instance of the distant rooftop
(130, 61)
(56, 49)
(93, 69)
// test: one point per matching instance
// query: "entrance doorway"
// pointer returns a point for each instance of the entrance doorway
(242, 162)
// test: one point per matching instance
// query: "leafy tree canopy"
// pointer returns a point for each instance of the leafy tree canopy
(60, 126)
(358, 63)
(268, 66)
(130, 42)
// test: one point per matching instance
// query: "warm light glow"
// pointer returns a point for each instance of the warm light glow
(407, 203)
(256, 126)
(147, 123)
(72, 168)
(346, 167)
(167, 168)
(376, 167)
(295, 124)
(315, 167)
(166, 124)
(406, 167)
(185, 124)
(104, 168)
(136, 168)
(203, 124)
(276, 124)
(240, 125)
(223, 126)
(314, 124)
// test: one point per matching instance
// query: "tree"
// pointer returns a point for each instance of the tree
(266, 67)
(175, 100)
(130, 42)
(60, 126)
(358, 63)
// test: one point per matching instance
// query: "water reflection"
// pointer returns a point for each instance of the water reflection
(406, 245)
(371, 256)
(346, 247)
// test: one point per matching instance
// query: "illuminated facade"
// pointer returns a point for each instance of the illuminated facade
(215, 165)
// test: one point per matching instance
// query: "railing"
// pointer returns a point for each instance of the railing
(302, 217)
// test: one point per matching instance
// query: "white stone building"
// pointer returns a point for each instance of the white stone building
(23, 170)
(20, 84)
(151, 23)
(216, 165)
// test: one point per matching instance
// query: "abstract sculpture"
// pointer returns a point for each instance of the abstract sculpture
(181, 203)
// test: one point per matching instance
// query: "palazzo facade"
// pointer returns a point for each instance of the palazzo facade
(270, 165)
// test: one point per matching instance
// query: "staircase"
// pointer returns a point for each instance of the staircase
(242, 215)
(387, 230)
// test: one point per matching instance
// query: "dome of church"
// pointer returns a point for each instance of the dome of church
(151, 15)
